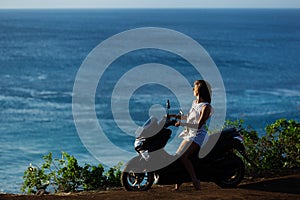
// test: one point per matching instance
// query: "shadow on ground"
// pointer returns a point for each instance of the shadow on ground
(281, 185)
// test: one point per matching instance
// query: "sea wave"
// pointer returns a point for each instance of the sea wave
(275, 92)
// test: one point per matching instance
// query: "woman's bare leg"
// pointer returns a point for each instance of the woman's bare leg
(191, 149)
(187, 148)
(179, 151)
(183, 144)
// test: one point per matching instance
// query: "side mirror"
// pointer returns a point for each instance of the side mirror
(168, 104)
(181, 112)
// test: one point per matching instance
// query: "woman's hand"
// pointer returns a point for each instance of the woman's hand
(177, 124)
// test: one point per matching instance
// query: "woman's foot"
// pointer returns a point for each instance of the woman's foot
(176, 188)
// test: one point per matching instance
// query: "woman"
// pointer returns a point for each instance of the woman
(195, 131)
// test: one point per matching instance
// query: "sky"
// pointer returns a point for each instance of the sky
(149, 4)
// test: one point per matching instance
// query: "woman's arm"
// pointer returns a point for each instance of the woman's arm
(204, 115)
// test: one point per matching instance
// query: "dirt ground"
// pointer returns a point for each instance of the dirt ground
(286, 187)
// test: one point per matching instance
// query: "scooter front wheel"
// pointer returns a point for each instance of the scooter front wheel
(132, 181)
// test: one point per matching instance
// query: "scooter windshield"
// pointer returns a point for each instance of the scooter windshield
(149, 128)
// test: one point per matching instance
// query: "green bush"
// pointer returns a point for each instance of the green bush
(65, 175)
(93, 177)
(282, 144)
(114, 175)
(35, 179)
(278, 149)
(68, 173)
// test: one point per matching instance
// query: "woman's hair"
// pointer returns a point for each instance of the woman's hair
(204, 90)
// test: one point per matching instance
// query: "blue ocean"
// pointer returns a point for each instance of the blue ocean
(257, 52)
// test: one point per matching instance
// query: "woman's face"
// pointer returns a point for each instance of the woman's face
(196, 90)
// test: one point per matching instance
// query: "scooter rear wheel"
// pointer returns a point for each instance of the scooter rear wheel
(132, 181)
(234, 176)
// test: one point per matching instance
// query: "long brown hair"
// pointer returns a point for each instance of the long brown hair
(204, 90)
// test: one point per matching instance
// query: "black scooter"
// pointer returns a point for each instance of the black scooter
(221, 165)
